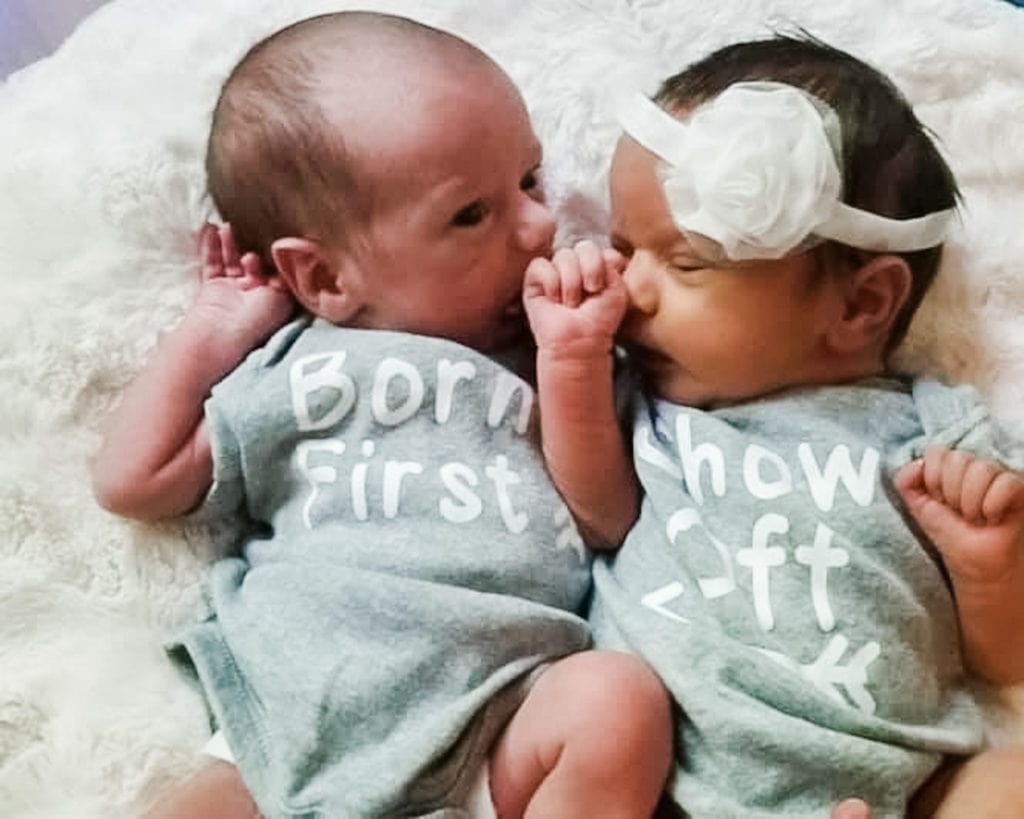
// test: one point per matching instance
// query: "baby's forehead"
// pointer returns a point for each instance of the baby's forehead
(386, 55)
(378, 113)
(398, 78)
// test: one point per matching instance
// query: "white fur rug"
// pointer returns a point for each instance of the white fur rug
(101, 190)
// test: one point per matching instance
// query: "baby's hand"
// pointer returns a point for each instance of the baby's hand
(576, 301)
(218, 254)
(235, 299)
(971, 509)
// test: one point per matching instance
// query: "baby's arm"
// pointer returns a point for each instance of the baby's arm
(155, 460)
(973, 511)
(575, 303)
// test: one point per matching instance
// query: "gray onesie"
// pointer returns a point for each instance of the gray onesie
(408, 565)
(808, 637)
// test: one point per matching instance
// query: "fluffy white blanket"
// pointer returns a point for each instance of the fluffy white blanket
(101, 191)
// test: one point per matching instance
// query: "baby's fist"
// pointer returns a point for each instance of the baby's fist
(970, 508)
(576, 300)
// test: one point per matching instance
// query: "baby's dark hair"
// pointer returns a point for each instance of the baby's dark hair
(889, 164)
(276, 164)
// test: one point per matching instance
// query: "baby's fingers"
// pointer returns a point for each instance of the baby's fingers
(541, 280)
(211, 259)
(232, 263)
(1005, 496)
(570, 272)
(591, 264)
(943, 475)
(978, 479)
(251, 266)
(252, 275)
(954, 470)
(909, 479)
(614, 262)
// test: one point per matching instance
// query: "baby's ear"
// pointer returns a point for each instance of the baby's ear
(873, 297)
(314, 278)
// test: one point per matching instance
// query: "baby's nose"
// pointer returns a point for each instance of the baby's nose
(536, 229)
(641, 285)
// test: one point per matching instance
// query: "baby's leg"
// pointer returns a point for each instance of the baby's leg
(593, 738)
(215, 791)
(987, 786)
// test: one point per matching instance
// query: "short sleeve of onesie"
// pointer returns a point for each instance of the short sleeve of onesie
(955, 417)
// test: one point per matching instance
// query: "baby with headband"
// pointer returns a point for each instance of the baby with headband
(778, 214)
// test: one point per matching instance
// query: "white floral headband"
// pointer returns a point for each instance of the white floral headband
(754, 170)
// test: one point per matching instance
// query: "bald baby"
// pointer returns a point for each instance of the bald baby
(300, 125)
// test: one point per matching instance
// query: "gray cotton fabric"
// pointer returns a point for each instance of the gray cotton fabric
(408, 565)
(808, 637)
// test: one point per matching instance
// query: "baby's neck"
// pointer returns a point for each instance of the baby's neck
(851, 373)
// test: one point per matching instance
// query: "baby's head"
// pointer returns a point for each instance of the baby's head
(747, 275)
(388, 171)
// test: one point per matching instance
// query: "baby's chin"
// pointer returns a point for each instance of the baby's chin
(495, 338)
(696, 396)
(511, 331)
(676, 390)
(511, 334)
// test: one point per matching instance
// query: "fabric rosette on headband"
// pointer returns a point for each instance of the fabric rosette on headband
(754, 171)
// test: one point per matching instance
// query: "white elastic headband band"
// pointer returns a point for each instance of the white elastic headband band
(755, 170)
(869, 231)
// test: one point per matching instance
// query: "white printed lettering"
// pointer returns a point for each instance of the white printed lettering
(692, 458)
(826, 672)
(649, 453)
(839, 467)
(387, 370)
(657, 599)
(682, 520)
(760, 558)
(358, 480)
(394, 472)
(757, 485)
(568, 536)
(313, 373)
(821, 557)
(467, 506)
(502, 477)
(449, 374)
(507, 386)
(319, 475)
